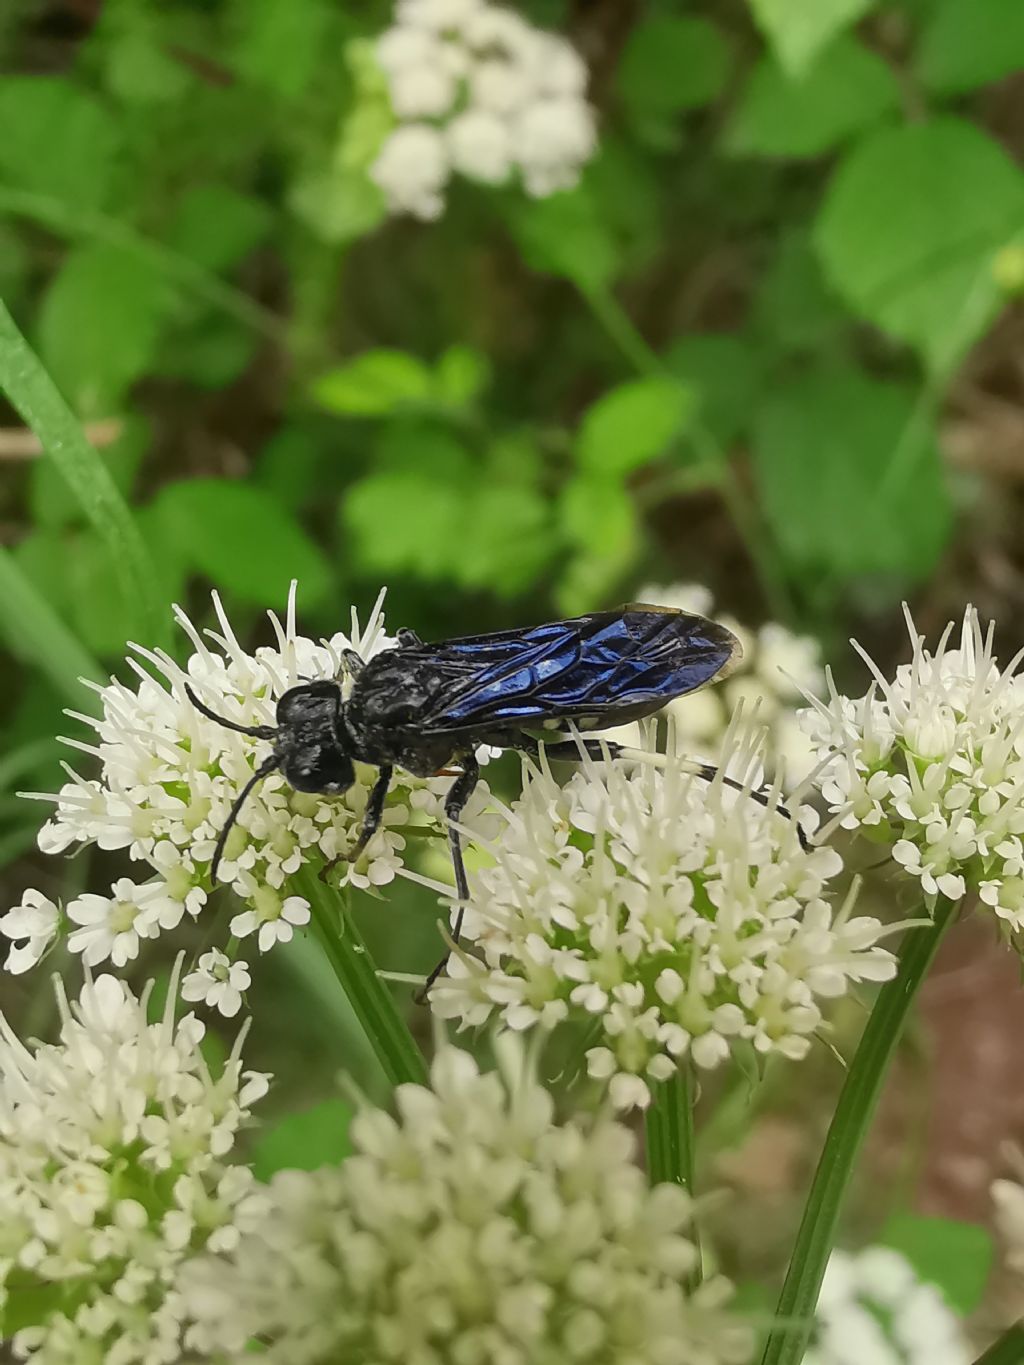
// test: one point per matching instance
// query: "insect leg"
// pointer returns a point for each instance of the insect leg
(229, 823)
(374, 811)
(460, 792)
(569, 750)
(407, 638)
(371, 822)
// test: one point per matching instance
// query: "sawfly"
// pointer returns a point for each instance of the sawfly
(423, 707)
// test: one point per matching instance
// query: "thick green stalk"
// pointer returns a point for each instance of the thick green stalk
(668, 1132)
(368, 995)
(36, 398)
(1008, 1350)
(787, 1342)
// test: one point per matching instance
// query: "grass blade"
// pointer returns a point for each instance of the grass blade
(36, 398)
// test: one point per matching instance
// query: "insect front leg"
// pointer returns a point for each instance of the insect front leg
(461, 790)
(371, 821)
(407, 639)
(373, 813)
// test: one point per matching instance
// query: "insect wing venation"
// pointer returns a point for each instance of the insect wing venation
(604, 665)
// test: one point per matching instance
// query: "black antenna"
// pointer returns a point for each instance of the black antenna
(254, 732)
(229, 823)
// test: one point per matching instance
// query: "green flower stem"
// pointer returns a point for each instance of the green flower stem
(1008, 1350)
(668, 1131)
(368, 995)
(788, 1340)
(37, 400)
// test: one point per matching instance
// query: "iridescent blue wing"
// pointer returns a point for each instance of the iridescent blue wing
(596, 670)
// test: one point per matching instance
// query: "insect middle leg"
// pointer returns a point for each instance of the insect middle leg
(460, 792)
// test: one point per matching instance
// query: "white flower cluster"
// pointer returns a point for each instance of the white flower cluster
(168, 778)
(679, 916)
(112, 1165)
(474, 1228)
(932, 763)
(478, 91)
(776, 670)
(874, 1310)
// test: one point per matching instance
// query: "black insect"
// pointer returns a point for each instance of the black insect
(423, 706)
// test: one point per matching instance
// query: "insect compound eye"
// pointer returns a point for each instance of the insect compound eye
(317, 703)
(320, 769)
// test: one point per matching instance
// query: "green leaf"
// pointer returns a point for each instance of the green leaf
(795, 309)
(672, 64)
(956, 1257)
(34, 632)
(72, 570)
(967, 45)
(279, 46)
(723, 372)
(57, 140)
(461, 375)
(99, 323)
(598, 514)
(507, 540)
(216, 227)
(140, 65)
(374, 383)
(566, 234)
(338, 205)
(290, 466)
(241, 539)
(823, 445)
(415, 444)
(209, 350)
(305, 1141)
(846, 90)
(799, 29)
(632, 424)
(909, 227)
(406, 522)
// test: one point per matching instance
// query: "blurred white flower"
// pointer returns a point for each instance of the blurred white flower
(168, 777)
(412, 169)
(480, 146)
(776, 669)
(506, 97)
(217, 982)
(932, 763)
(32, 926)
(473, 1228)
(874, 1310)
(681, 916)
(112, 1170)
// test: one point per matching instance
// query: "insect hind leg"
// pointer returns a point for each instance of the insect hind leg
(461, 790)
(570, 750)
